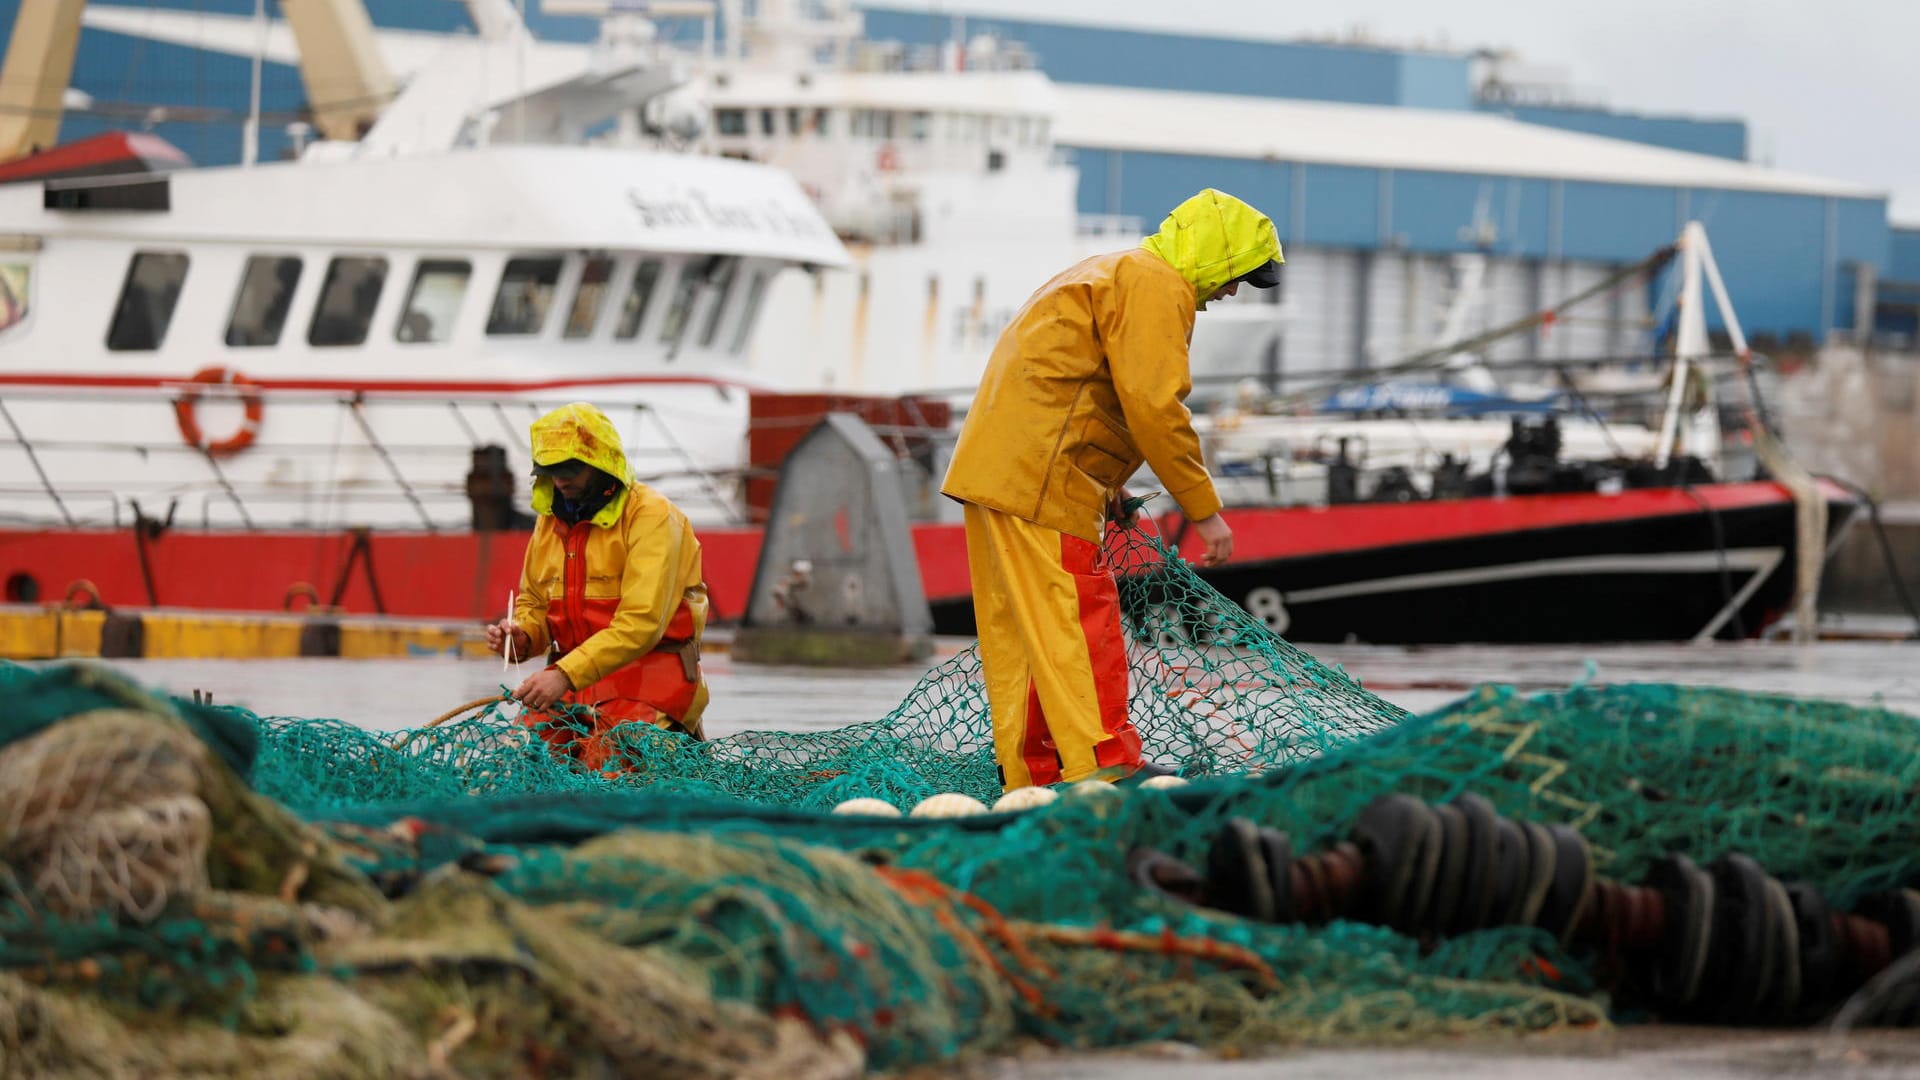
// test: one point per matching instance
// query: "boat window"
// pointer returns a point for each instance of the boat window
(633, 310)
(266, 295)
(860, 122)
(147, 298)
(434, 300)
(348, 296)
(588, 297)
(16, 289)
(920, 124)
(723, 291)
(750, 310)
(685, 291)
(885, 121)
(730, 121)
(820, 124)
(766, 121)
(526, 291)
(794, 122)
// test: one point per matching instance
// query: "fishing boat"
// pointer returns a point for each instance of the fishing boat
(308, 381)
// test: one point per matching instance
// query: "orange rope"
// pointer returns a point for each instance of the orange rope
(920, 886)
(1166, 944)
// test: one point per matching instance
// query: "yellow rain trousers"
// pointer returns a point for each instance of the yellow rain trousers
(1052, 651)
(1088, 381)
(621, 598)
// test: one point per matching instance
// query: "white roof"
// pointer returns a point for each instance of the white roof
(502, 197)
(1395, 137)
(931, 91)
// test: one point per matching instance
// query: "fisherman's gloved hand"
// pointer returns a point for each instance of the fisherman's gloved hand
(497, 636)
(540, 691)
(1124, 508)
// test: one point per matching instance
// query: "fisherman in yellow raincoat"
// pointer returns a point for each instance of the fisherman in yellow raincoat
(1088, 380)
(611, 589)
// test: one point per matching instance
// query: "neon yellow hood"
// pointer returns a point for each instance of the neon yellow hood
(1213, 238)
(579, 431)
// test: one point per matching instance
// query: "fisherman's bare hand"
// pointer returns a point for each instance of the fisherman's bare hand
(540, 691)
(1117, 511)
(497, 636)
(1213, 531)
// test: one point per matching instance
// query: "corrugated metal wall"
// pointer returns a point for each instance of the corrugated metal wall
(1785, 257)
(1720, 138)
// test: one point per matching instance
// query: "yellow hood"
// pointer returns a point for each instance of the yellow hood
(579, 431)
(1213, 238)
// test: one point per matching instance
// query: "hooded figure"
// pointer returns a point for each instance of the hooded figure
(1087, 382)
(612, 591)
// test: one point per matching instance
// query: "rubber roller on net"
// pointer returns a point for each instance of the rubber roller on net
(1724, 943)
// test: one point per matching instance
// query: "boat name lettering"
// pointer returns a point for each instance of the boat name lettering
(697, 210)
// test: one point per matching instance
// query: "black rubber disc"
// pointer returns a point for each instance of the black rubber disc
(1237, 877)
(1899, 910)
(1419, 900)
(1542, 854)
(1277, 849)
(1510, 875)
(1820, 963)
(1676, 973)
(1476, 896)
(1741, 961)
(1390, 834)
(1159, 872)
(1571, 893)
(1451, 874)
(1784, 994)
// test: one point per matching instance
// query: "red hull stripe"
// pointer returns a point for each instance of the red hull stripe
(1263, 533)
(458, 575)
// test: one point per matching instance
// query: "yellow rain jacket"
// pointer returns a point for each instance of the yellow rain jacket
(1091, 376)
(622, 595)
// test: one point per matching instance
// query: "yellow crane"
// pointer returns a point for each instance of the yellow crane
(346, 78)
(34, 77)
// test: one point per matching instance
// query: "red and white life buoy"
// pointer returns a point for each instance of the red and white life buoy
(183, 411)
(888, 159)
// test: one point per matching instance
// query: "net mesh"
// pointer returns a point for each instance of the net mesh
(287, 895)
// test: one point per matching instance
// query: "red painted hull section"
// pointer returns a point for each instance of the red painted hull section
(468, 575)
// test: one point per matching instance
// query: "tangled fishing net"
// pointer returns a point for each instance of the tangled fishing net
(197, 890)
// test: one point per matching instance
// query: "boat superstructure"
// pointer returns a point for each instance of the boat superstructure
(328, 341)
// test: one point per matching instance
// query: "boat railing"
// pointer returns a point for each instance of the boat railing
(110, 456)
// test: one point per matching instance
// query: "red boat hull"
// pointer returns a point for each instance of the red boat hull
(468, 575)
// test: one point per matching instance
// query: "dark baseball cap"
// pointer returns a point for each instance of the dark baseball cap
(1264, 276)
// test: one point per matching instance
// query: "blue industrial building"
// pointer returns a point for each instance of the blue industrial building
(1796, 251)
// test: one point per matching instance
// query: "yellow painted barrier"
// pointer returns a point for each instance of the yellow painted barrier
(183, 635)
(369, 638)
(39, 633)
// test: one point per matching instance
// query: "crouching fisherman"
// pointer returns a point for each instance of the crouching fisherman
(611, 590)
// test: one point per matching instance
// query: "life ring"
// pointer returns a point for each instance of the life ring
(190, 424)
(888, 159)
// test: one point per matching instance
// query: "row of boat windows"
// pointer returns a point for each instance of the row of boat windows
(882, 124)
(350, 295)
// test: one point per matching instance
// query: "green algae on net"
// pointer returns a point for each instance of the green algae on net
(197, 889)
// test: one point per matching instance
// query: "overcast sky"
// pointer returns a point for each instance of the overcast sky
(1830, 87)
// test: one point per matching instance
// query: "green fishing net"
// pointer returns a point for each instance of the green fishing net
(197, 890)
